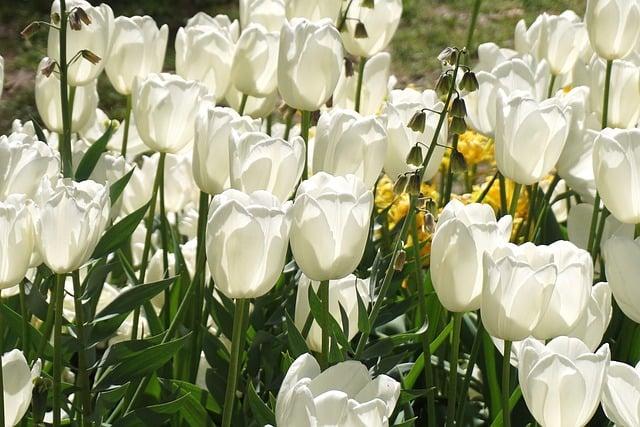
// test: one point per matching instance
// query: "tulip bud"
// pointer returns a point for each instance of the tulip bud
(264, 237)
(418, 122)
(443, 85)
(17, 239)
(469, 82)
(401, 185)
(621, 268)
(400, 260)
(68, 208)
(457, 125)
(458, 108)
(330, 245)
(612, 26)
(20, 382)
(415, 156)
(255, 62)
(595, 320)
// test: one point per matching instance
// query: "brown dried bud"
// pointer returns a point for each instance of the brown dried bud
(413, 187)
(448, 56)
(400, 260)
(48, 68)
(82, 15)
(74, 22)
(90, 56)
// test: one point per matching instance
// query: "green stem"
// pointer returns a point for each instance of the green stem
(26, 319)
(503, 194)
(65, 143)
(363, 61)
(446, 196)
(552, 83)
(593, 228)
(289, 124)
(165, 242)
(491, 374)
(514, 199)
(607, 88)
(453, 369)
(595, 250)
(506, 384)
(487, 188)
(472, 25)
(545, 208)
(513, 399)
(1, 368)
(83, 374)
(323, 294)
(127, 123)
(473, 357)
(533, 195)
(57, 349)
(304, 132)
(237, 346)
(243, 104)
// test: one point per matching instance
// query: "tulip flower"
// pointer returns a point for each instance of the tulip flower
(343, 395)
(313, 10)
(331, 217)
(518, 75)
(518, 285)
(464, 232)
(347, 143)
(621, 394)
(137, 50)
(255, 62)
(616, 160)
(213, 130)
(309, 63)
(95, 37)
(491, 55)
(579, 223)
(69, 221)
(268, 13)
(48, 101)
(375, 81)
(259, 162)
(622, 271)
(596, 318)
(109, 168)
(255, 107)
(25, 161)
(400, 108)
(571, 292)
(343, 292)
(624, 92)
(530, 137)
(612, 26)
(164, 107)
(16, 239)
(562, 381)
(247, 240)
(204, 51)
(18, 381)
(380, 21)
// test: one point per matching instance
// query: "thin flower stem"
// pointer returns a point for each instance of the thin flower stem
(127, 123)
(289, 124)
(487, 188)
(488, 350)
(506, 384)
(473, 357)
(65, 143)
(514, 199)
(472, 25)
(2, 325)
(83, 374)
(363, 62)
(243, 104)
(164, 239)
(237, 348)
(446, 196)
(305, 124)
(552, 82)
(57, 349)
(595, 250)
(26, 319)
(453, 369)
(503, 194)
(323, 294)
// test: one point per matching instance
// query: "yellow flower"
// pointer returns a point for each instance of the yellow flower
(476, 148)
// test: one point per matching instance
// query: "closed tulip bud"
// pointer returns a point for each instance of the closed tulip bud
(309, 63)
(164, 106)
(137, 50)
(462, 236)
(68, 208)
(563, 41)
(16, 235)
(375, 82)
(343, 292)
(25, 161)
(415, 156)
(418, 122)
(400, 185)
(314, 10)
(458, 108)
(348, 143)
(530, 137)
(518, 285)
(95, 38)
(19, 381)
(562, 381)
(213, 130)
(255, 224)
(255, 61)
(624, 92)
(268, 13)
(612, 26)
(457, 126)
(330, 225)
(260, 162)
(595, 320)
(615, 162)
(571, 292)
(204, 51)
(443, 85)
(342, 395)
(621, 394)
(469, 82)
(622, 269)
(48, 101)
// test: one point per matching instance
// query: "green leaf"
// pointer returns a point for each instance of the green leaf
(108, 399)
(91, 157)
(151, 415)
(14, 321)
(385, 346)
(134, 297)
(334, 328)
(363, 317)
(297, 344)
(119, 233)
(39, 132)
(262, 413)
(116, 189)
(199, 400)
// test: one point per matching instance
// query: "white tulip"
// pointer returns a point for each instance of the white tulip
(596, 318)
(562, 381)
(579, 225)
(213, 130)
(347, 143)
(16, 239)
(530, 137)
(481, 104)
(204, 51)
(621, 394)
(247, 241)
(616, 162)
(69, 222)
(18, 382)
(164, 106)
(612, 26)
(375, 80)
(137, 50)
(624, 95)
(331, 217)
(95, 37)
(260, 162)
(270, 14)
(49, 106)
(523, 75)
(490, 55)
(255, 61)
(622, 271)
(309, 63)
(464, 232)
(380, 21)
(342, 395)
(343, 292)
(258, 108)
(314, 10)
